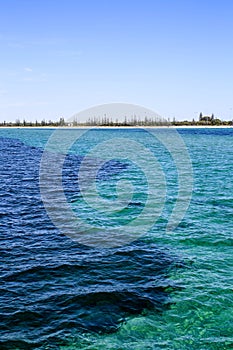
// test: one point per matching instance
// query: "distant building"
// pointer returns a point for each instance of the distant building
(210, 120)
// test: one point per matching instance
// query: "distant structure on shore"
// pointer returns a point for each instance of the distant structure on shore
(203, 120)
(133, 121)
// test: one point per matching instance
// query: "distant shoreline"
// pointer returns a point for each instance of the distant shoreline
(122, 127)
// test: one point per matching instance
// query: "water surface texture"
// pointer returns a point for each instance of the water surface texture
(162, 291)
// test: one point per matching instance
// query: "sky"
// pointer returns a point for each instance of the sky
(58, 57)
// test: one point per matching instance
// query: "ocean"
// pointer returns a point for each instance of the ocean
(121, 280)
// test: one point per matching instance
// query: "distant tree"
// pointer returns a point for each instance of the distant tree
(217, 122)
(61, 121)
(200, 116)
(75, 123)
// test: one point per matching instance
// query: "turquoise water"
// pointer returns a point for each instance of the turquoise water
(194, 305)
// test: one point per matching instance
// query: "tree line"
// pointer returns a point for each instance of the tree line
(126, 121)
(203, 120)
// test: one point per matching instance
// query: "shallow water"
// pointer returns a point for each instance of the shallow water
(161, 291)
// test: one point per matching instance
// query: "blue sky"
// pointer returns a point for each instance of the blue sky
(59, 57)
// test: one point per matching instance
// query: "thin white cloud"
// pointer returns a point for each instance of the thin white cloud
(28, 69)
(9, 105)
(23, 104)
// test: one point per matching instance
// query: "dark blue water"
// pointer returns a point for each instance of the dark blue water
(157, 292)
